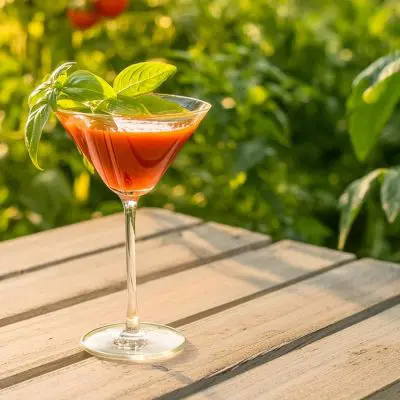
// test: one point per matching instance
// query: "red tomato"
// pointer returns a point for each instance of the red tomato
(83, 19)
(110, 8)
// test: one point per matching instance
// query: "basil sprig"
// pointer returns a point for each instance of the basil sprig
(83, 91)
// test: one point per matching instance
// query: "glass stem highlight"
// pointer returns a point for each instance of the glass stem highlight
(132, 317)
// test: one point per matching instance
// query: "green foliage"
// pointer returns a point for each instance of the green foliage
(273, 154)
(390, 194)
(376, 92)
(351, 201)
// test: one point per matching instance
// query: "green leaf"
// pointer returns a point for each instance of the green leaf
(157, 105)
(376, 92)
(123, 106)
(38, 94)
(142, 78)
(351, 201)
(67, 104)
(37, 119)
(61, 70)
(143, 105)
(85, 86)
(51, 98)
(44, 90)
(390, 194)
(371, 73)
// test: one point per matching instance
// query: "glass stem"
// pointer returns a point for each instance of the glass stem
(132, 317)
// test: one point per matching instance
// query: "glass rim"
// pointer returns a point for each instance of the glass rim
(205, 107)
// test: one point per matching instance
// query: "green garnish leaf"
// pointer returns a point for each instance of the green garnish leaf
(123, 106)
(147, 104)
(85, 86)
(156, 105)
(38, 95)
(51, 98)
(142, 78)
(61, 71)
(57, 78)
(72, 105)
(83, 91)
(37, 119)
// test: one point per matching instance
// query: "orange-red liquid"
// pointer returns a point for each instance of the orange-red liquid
(130, 163)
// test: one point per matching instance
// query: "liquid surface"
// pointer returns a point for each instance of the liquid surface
(130, 156)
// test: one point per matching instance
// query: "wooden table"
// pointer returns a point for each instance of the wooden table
(263, 320)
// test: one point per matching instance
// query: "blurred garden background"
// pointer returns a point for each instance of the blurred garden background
(274, 153)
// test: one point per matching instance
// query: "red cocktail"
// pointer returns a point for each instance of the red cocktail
(130, 154)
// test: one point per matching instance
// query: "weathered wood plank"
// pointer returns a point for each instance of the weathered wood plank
(347, 365)
(104, 273)
(223, 340)
(51, 246)
(172, 298)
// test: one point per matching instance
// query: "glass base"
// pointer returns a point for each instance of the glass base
(152, 343)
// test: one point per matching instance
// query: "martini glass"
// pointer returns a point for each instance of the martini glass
(131, 154)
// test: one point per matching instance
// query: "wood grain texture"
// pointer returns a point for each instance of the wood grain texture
(227, 339)
(21, 254)
(106, 271)
(173, 298)
(347, 365)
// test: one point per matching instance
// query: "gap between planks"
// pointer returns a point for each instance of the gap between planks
(47, 308)
(251, 329)
(263, 266)
(180, 223)
(264, 358)
(361, 357)
(96, 251)
(102, 273)
(388, 392)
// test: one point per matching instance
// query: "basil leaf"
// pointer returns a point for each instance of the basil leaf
(38, 95)
(41, 92)
(51, 98)
(85, 86)
(147, 104)
(142, 78)
(123, 106)
(61, 70)
(37, 119)
(157, 105)
(67, 104)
